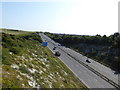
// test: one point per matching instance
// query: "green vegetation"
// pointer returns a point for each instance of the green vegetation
(27, 64)
(11, 31)
(23, 69)
(16, 44)
(103, 49)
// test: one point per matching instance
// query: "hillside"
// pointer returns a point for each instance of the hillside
(27, 64)
(104, 49)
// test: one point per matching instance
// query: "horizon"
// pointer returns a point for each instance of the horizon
(77, 17)
(58, 32)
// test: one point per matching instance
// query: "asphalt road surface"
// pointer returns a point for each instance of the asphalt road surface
(70, 58)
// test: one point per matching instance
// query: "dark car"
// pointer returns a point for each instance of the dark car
(57, 53)
(54, 48)
(88, 61)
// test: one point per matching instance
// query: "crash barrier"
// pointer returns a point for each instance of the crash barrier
(94, 71)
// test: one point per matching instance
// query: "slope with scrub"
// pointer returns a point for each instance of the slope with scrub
(27, 64)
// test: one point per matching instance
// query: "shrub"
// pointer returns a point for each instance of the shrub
(32, 36)
(15, 50)
(23, 69)
(37, 37)
(8, 40)
(6, 58)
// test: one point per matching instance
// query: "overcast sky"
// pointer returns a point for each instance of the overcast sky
(88, 17)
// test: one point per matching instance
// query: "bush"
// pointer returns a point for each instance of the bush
(32, 36)
(6, 58)
(15, 50)
(23, 69)
(8, 40)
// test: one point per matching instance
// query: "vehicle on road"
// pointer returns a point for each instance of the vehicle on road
(57, 53)
(54, 48)
(88, 61)
(59, 44)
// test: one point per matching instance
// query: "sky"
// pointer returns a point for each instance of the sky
(83, 17)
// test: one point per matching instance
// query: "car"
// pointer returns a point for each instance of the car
(54, 48)
(57, 53)
(59, 44)
(62, 45)
(88, 61)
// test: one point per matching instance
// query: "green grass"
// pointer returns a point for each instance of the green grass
(33, 63)
(14, 32)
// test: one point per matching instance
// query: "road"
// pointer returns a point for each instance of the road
(70, 58)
